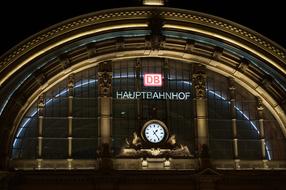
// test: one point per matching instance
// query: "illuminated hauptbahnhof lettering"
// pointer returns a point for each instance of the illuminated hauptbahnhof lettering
(209, 114)
(153, 95)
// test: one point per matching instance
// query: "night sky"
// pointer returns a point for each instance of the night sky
(23, 18)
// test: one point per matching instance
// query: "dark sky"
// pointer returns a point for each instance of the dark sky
(23, 18)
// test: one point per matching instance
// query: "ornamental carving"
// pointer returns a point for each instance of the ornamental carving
(41, 105)
(41, 101)
(136, 148)
(70, 81)
(71, 85)
(260, 106)
(105, 79)
(199, 81)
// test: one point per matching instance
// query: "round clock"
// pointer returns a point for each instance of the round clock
(154, 131)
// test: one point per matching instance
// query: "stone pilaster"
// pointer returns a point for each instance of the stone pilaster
(41, 106)
(200, 102)
(105, 102)
(233, 123)
(70, 113)
(260, 110)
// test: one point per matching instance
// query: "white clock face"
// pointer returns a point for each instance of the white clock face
(154, 133)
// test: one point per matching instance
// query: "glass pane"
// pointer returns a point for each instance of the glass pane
(24, 148)
(249, 149)
(55, 148)
(85, 128)
(55, 127)
(84, 148)
(221, 149)
(85, 107)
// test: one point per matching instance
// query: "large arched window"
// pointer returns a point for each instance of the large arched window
(70, 114)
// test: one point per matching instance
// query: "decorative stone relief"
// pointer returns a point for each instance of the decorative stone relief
(105, 79)
(199, 81)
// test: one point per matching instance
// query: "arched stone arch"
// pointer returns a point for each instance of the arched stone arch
(35, 65)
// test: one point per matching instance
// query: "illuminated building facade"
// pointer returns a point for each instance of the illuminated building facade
(146, 97)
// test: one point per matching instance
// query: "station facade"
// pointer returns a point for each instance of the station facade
(146, 97)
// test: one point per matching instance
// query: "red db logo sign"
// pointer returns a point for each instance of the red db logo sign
(152, 80)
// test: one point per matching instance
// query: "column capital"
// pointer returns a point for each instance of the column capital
(199, 81)
(41, 101)
(71, 81)
(260, 106)
(105, 79)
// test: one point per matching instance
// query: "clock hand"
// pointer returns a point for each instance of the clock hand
(154, 132)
